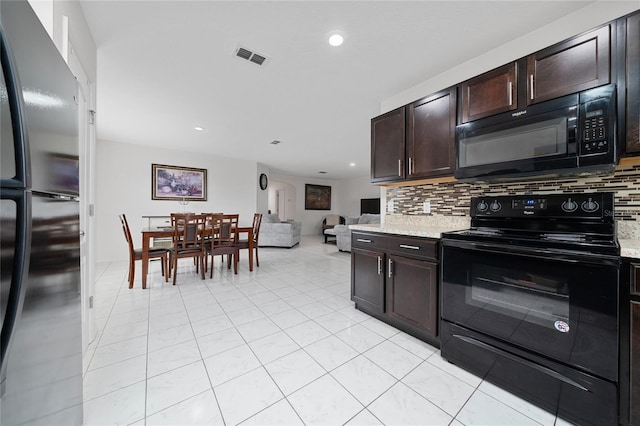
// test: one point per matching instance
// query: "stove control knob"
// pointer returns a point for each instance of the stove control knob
(482, 206)
(590, 206)
(495, 206)
(569, 206)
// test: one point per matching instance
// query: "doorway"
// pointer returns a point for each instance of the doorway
(282, 200)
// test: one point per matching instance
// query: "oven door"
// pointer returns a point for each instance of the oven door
(562, 305)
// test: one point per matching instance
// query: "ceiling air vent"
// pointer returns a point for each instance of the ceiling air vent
(257, 59)
(250, 56)
(243, 53)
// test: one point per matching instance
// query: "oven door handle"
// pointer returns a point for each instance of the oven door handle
(536, 253)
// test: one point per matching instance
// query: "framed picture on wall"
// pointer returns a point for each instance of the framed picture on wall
(317, 197)
(178, 183)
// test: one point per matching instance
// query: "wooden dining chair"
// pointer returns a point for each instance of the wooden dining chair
(188, 232)
(136, 254)
(244, 243)
(223, 240)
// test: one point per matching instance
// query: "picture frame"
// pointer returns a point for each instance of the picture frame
(178, 183)
(317, 197)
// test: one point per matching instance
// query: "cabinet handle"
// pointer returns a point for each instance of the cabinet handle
(410, 172)
(531, 85)
(360, 240)
(400, 168)
(390, 267)
(409, 247)
(379, 265)
(510, 93)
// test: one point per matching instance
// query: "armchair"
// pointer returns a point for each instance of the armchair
(274, 233)
(343, 233)
(328, 223)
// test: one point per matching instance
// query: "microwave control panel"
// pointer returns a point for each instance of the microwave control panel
(594, 128)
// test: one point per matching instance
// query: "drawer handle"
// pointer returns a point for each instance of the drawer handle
(360, 240)
(409, 247)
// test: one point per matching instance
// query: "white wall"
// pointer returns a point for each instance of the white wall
(79, 34)
(345, 198)
(262, 196)
(51, 13)
(311, 219)
(580, 21)
(351, 191)
(287, 191)
(124, 186)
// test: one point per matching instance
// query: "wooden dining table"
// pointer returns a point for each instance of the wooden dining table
(167, 232)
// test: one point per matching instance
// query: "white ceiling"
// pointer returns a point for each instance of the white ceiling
(165, 67)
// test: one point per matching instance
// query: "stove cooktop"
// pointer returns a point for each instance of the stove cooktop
(603, 244)
(577, 222)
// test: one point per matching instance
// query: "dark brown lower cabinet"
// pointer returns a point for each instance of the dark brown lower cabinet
(635, 363)
(412, 292)
(395, 279)
(630, 342)
(367, 279)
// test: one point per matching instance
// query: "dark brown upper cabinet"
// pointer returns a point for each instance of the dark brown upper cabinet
(632, 70)
(574, 65)
(431, 126)
(569, 67)
(388, 146)
(490, 93)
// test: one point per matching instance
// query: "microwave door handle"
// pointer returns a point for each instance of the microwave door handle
(510, 93)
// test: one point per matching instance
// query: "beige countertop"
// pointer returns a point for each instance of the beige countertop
(412, 230)
(628, 247)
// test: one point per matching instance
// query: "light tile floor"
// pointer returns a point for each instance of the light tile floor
(282, 345)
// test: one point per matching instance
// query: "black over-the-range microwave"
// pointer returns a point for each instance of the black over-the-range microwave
(568, 135)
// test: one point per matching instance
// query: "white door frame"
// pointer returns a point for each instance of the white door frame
(86, 152)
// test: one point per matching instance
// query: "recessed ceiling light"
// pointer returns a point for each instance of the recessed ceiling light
(336, 39)
(274, 142)
(198, 128)
(352, 164)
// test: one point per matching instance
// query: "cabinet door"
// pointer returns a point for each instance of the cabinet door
(412, 292)
(367, 279)
(633, 84)
(387, 146)
(569, 67)
(635, 363)
(490, 93)
(431, 135)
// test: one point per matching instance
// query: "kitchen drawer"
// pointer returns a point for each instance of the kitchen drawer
(634, 278)
(421, 248)
(368, 241)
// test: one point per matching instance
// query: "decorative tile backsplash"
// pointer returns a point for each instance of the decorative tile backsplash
(453, 198)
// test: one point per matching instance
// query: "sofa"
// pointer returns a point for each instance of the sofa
(274, 233)
(343, 233)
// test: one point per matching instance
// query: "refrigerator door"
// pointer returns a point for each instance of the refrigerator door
(49, 92)
(15, 219)
(44, 369)
(14, 165)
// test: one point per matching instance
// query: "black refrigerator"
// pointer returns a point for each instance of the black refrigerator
(41, 334)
